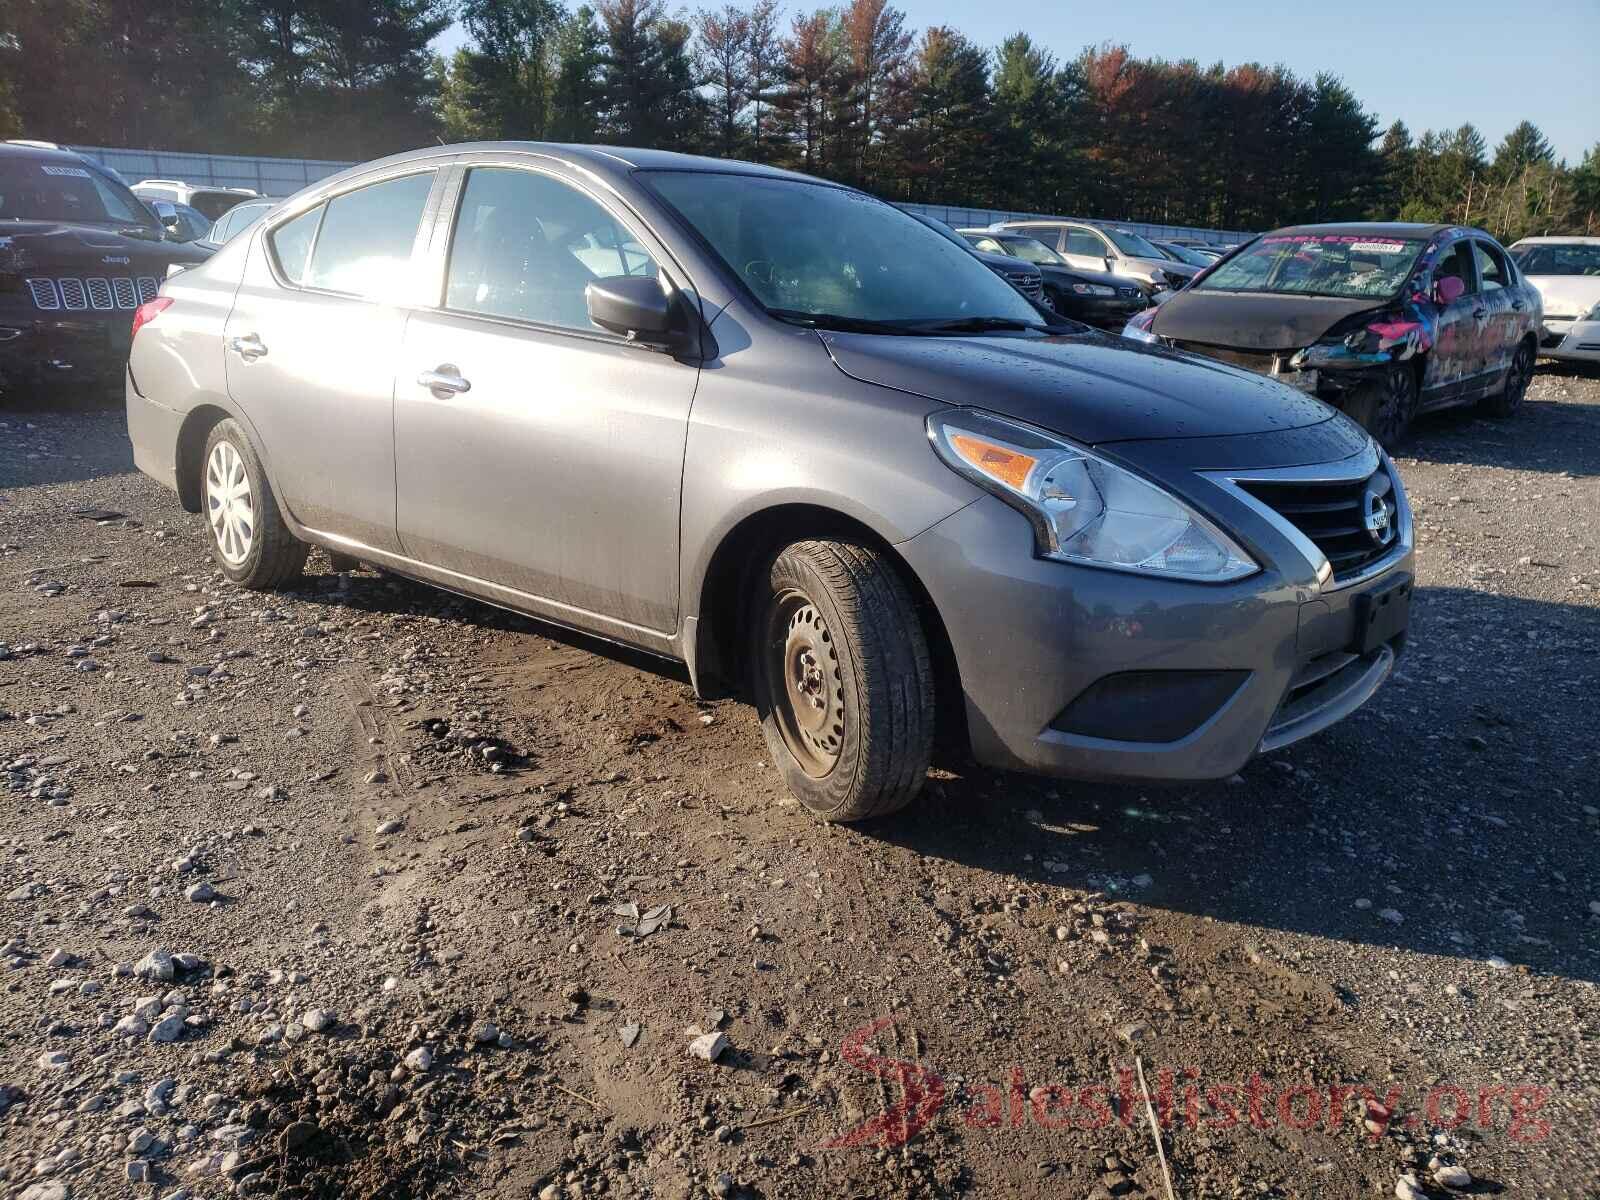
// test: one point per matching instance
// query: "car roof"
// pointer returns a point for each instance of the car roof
(1390, 229)
(41, 153)
(605, 161)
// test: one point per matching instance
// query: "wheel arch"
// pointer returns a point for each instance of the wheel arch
(716, 654)
(190, 457)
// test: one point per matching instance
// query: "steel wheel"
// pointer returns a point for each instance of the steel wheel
(230, 507)
(807, 690)
(1386, 407)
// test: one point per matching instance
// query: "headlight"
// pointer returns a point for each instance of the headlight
(1083, 508)
(1093, 289)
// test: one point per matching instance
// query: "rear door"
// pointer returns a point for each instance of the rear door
(536, 452)
(310, 348)
(1500, 300)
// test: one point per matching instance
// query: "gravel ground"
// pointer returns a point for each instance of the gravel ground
(362, 890)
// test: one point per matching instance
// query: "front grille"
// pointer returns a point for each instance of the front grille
(1128, 293)
(102, 295)
(1031, 286)
(1334, 516)
(1260, 363)
(44, 295)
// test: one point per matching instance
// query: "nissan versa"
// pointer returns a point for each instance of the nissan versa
(782, 431)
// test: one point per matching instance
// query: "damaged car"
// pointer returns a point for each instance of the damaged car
(1383, 320)
(79, 253)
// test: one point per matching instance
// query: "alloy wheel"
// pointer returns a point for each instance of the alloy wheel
(804, 682)
(230, 507)
(1521, 375)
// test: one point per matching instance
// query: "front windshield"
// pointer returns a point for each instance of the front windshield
(1354, 266)
(1558, 258)
(34, 189)
(1131, 243)
(1186, 255)
(1033, 250)
(814, 249)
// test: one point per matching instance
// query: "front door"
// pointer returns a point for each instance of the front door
(534, 451)
(1455, 360)
(1087, 249)
(310, 348)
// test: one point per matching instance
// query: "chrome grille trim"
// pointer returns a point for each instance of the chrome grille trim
(44, 295)
(148, 287)
(1350, 470)
(123, 291)
(99, 293)
(72, 294)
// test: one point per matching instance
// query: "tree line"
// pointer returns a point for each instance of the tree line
(850, 93)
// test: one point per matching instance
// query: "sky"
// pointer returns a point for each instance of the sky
(1432, 66)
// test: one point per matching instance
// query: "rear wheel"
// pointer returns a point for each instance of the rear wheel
(249, 539)
(1508, 400)
(1385, 407)
(842, 678)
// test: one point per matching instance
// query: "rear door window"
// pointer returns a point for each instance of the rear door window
(364, 245)
(1491, 267)
(291, 244)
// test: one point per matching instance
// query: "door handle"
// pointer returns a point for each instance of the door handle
(444, 381)
(1479, 314)
(249, 347)
(1517, 304)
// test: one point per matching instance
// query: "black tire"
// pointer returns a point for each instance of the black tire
(1386, 406)
(861, 746)
(1507, 402)
(274, 557)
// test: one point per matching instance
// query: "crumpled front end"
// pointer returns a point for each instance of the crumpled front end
(1362, 348)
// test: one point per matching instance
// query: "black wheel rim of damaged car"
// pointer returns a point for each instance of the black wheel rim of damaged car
(1393, 406)
(804, 683)
(1521, 376)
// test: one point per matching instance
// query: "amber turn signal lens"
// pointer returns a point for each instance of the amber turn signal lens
(997, 462)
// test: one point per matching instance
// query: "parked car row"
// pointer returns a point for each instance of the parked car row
(772, 427)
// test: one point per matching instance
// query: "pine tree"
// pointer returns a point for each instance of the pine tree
(577, 91)
(722, 57)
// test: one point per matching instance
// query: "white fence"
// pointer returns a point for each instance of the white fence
(282, 176)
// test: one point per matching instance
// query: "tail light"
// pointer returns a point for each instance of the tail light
(147, 312)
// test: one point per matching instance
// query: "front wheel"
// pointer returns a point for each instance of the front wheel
(1385, 407)
(841, 676)
(1508, 400)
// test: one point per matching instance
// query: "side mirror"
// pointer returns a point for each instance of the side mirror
(634, 306)
(167, 213)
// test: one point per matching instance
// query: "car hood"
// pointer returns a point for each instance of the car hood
(1173, 270)
(1088, 386)
(1253, 321)
(1567, 295)
(1070, 275)
(35, 245)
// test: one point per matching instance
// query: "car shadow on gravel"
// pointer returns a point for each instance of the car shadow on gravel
(1447, 817)
(1553, 433)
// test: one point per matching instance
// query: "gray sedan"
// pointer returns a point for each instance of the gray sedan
(781, 431)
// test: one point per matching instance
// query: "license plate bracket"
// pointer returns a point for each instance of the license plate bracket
(1383, 613)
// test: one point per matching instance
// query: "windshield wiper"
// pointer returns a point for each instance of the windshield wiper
(976, 325)
(844, 324)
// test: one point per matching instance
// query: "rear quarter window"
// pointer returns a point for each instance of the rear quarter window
(291, 244)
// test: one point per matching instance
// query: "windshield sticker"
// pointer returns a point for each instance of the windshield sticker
(1379, 247)
(74, 172)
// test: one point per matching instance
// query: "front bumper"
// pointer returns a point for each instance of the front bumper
(1096, 674)
(1575, 341)
(64, 353)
